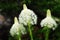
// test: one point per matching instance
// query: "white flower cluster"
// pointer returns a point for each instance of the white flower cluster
(16, 28)
(27, 15)
(49, 21)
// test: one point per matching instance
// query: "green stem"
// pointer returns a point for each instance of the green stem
(19, 36)
(30, 31)
(47, 34)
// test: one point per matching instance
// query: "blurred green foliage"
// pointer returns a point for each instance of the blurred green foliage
(39, 6)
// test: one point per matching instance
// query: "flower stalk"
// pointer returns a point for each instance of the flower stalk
(30, 31)
(19, 36)
(47, 34)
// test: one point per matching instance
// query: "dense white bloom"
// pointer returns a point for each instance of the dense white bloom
(27, 15)
(48, 21)
(16, 28)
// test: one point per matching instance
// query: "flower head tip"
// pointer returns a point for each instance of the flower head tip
(48, 13)
(15, 20)
(24, 6)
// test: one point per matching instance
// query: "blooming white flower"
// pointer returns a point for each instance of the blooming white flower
(17, 28)
(27, 15)
(48, 21)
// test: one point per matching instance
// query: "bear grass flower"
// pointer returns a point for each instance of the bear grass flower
(47, 24)
(28, 18)
(48, 21)
(27, 15)
(17, 29)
